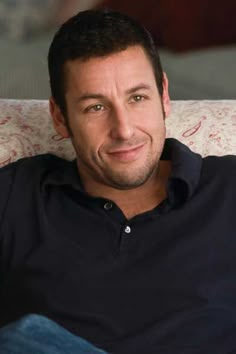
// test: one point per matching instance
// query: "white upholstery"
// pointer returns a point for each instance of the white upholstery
(207, 127)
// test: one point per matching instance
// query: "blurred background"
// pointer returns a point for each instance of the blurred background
(197, 42)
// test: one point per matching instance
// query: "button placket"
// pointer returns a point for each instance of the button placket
(126, 238)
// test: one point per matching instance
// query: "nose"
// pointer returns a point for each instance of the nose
(122, 126)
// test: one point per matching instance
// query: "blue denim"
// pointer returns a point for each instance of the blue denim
(35, 334)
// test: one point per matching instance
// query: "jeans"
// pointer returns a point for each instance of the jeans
(35, 334)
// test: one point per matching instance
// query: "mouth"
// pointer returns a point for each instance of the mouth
(126, 154)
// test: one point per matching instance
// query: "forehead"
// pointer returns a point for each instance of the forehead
(125, 67)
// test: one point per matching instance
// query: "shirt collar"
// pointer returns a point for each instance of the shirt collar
(186, 169)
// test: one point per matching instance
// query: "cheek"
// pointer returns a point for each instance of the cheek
(156, 130)
(87, 140)
(154, 122)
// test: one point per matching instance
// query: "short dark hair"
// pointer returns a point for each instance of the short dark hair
(96, 33)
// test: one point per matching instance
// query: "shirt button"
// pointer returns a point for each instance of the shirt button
(108, 206)
(128, 230)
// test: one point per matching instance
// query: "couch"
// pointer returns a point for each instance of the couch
(26, 129)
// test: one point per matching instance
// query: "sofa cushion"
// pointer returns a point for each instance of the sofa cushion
(26, 130)
(207, 127)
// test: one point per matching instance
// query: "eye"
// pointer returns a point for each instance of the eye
(95, 108)
(138, 98)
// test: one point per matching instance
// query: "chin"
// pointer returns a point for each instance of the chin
(121, 180)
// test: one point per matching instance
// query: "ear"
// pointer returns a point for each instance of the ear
(58, 119)
(165, 96)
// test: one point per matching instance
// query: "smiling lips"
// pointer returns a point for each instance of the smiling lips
(126, 155)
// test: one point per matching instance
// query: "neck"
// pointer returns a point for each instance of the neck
(138, 200)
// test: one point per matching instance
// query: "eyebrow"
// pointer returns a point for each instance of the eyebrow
(88, 96)
(138, 87)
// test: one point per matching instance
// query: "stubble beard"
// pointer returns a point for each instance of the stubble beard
(130, 178)
(125, 178)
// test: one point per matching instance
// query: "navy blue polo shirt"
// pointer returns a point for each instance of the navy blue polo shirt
(161, 282)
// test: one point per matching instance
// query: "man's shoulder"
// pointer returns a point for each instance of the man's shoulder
(223, 167)
(34, 163)
(28, 171)
(227, 161)
(21, 178)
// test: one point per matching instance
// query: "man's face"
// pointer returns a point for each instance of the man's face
(115, 114)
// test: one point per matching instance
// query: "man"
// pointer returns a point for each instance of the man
(132, 246)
